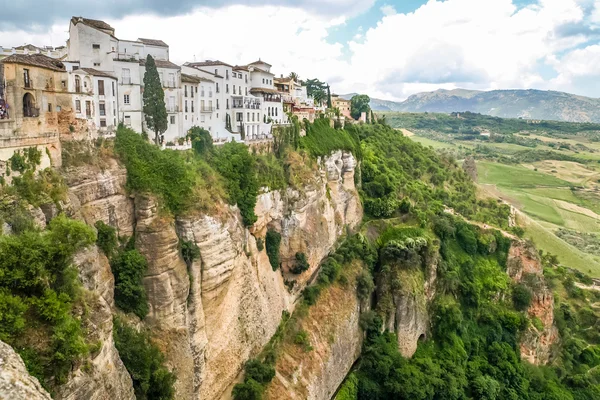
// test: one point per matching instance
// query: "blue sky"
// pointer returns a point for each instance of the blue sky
(388, 49)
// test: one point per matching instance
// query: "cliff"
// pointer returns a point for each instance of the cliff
(335, 340)
(15, 381)
(524, 266)
(212, 315)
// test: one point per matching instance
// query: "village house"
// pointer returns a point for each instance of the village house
(37, 101)
(341, 104)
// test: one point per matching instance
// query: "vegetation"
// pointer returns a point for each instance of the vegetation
(40, 295)
(359, 104)
(321, 139)
(201, 140)
(155, 110)
(272, 243)
(129, 268)
(301, 264)
(144, 362)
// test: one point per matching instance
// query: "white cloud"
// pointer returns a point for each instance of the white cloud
(443, 44)
(386, 9)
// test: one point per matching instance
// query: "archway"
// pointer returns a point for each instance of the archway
(29, 109)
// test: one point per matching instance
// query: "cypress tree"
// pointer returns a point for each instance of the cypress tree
(155, 110)
(328, 97)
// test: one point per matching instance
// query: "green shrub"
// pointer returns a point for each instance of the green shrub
(301, 264)
(12, 315)
(521, 297)
(321, 139)
(189, 251)
(260, 244)
(364, 285)
(259, 371)
(201, 140)
(129, 268)
(301, 339)
(107, 238)
(144, 362)
(249, 390)
(311, 294)
(272, 243)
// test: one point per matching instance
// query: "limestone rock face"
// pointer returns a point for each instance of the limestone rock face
(96, 194)
(107, 379)
(15, 381)
(405, 291)
(311, 220)
(335, 336)
(524, 266)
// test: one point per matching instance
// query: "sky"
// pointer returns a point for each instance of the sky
(388, 49)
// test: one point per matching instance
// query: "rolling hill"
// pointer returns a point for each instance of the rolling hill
(530, 104)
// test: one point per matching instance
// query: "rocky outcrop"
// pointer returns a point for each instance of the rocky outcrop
(404, 291)
(335, 341)
(312, 219)
(106, 377)
(15, 381)
(97, 194)
(524, 266)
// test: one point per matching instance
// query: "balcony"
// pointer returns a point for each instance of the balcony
(125, 81)
(173, 109)
(207, 109)
(171, 85)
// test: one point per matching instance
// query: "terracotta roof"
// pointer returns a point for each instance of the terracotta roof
(208, 63)
(240, 67)
(94, 23)
(95, 72)
(263, 90)
(263, 71)
(28, 47)
(153, 42)
(189, 78)
(37, 60)
(260, 62)
(162, 64)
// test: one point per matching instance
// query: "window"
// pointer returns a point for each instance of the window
(63, 84)
(192, 106)
(202, 91)
(126, 99)
(125, 76)
(248, 117)
(96, 64)
(209, 91)
(227, 104)
(113, 88)
(77, 105)
(263, 80)
(227, 88)
(96, 46)
(185, 91)
(114, 110)
(202, 105)
(172, 120)
(235, 75)
(217, 104)
(253, 114)
(58, 108)
(102, 108)
(246, 91)
(226, 74)
(171, 80)
(216, 71)
(202, 118)
(103, 123)
(127, 120)
(210, 105)
(217, 89)
(172, 107)
(101, 87)
(192, 90)
(49, 107)
(26, 80)
(233, 89)
(186, 107)
(77, 84)
(239, 117)
(88, 109)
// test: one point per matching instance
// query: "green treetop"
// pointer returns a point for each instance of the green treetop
(154, 100)
(359, 104)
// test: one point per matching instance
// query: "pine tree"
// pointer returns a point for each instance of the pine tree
(155, 110)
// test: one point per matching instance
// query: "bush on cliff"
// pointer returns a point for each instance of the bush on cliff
(129, 268)
(272, 243)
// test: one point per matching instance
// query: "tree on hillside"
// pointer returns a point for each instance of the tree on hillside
(201, 139)
(328, 97)
(155, 110)
(359, 104)
(316, 89)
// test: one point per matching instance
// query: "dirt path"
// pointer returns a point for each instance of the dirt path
(481, 224)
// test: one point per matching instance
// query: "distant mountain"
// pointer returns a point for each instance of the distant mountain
(530, 104)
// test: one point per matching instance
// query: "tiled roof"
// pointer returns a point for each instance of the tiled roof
(189, 78)
(263, 71)
(162, 64)
(260, 62)
(208, 63)
(37, 60)
(263, 90)
(94, 23)
(240, 68)
(95, 72)
(153, 42)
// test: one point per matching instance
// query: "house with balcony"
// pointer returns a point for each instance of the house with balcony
(38, 106)
(341, 104)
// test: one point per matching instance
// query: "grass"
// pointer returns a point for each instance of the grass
(515, 176)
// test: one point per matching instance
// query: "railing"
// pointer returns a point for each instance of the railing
(173, 109)
(207, 109)
(169, 85)
(31, 112)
